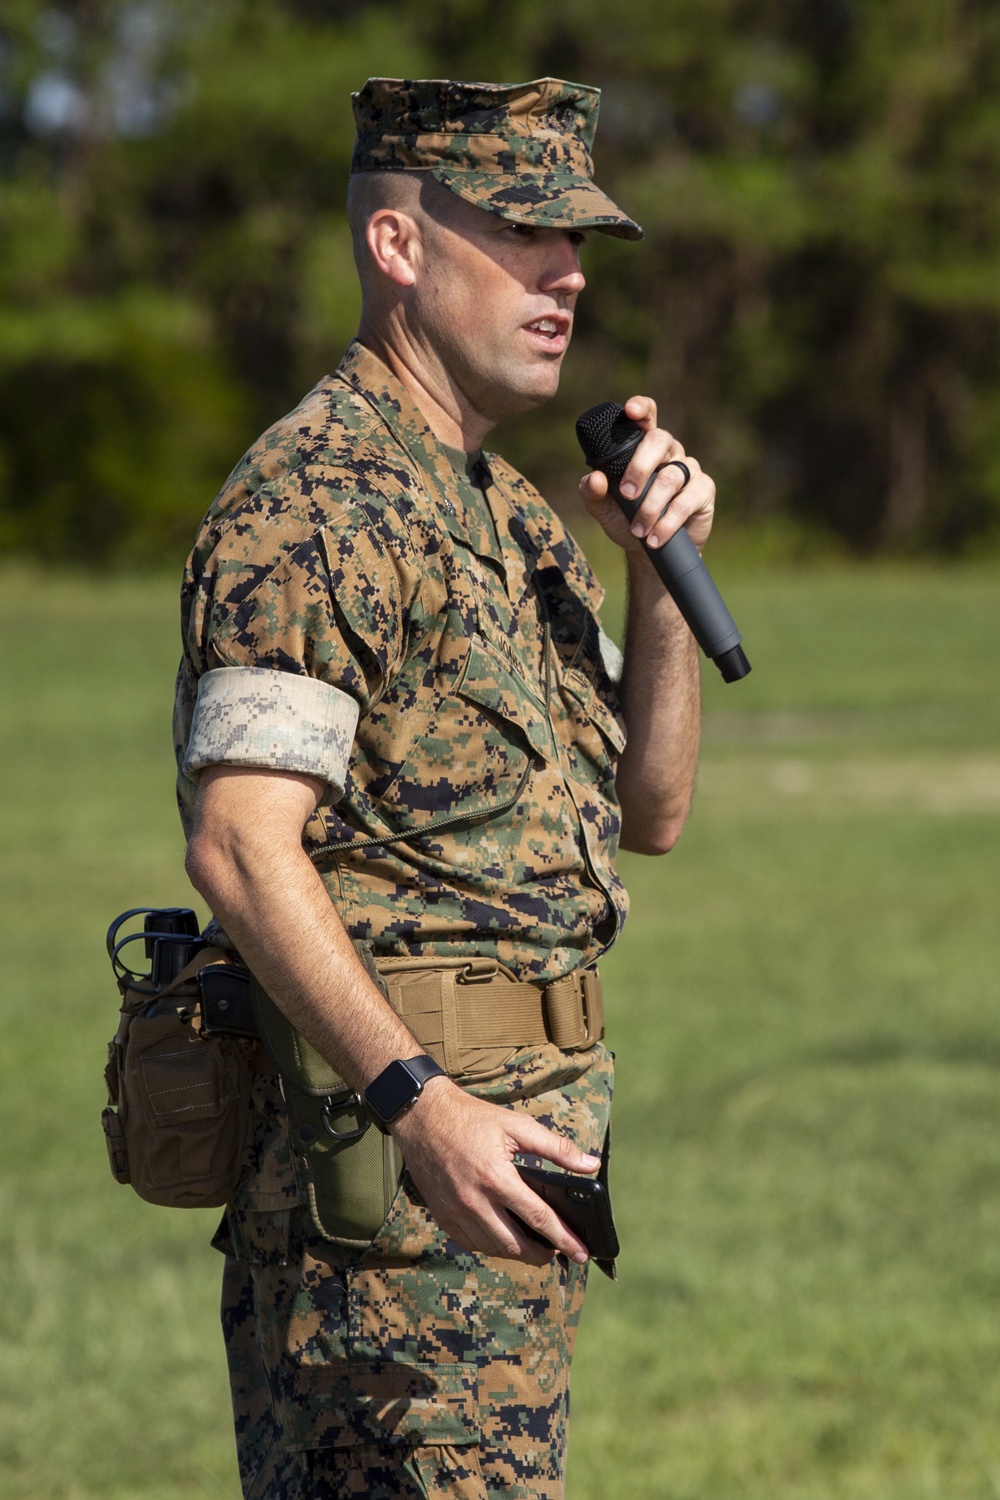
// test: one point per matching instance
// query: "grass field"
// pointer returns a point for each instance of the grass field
(807, 1020)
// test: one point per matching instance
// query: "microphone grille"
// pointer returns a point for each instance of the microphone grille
(608, 438)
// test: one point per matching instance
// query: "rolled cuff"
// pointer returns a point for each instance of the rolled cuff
(276, 721)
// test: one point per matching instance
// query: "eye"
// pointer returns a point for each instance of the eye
(523, 231)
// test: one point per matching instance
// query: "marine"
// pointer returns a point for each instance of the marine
(408, 752)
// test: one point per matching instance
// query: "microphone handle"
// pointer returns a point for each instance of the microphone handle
(690, 585)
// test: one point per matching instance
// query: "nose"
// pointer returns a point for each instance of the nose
(563, 272)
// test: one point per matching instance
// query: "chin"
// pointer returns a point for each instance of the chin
(515, 404)
(512, 391)
(537, 387)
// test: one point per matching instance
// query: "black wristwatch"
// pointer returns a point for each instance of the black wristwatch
(397, 1086)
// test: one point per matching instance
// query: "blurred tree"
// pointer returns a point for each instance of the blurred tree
(816, 304)
(175, 267)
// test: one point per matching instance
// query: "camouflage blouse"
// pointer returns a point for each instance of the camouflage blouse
(478, 812)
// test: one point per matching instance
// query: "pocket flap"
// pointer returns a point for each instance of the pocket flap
(490, 683)
(383, 1401)
(590, 704)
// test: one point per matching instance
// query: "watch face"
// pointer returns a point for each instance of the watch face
(392, 1090)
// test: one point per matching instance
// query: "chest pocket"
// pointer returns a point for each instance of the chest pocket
(590, 698)
(494, 722)
(475, 758)
(598, 731)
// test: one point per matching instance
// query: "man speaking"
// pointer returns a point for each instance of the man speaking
(404, 774)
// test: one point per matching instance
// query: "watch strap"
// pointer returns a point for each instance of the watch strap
(423, 1068)
(417, 1070)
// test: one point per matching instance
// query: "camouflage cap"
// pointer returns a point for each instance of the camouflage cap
(519, 150)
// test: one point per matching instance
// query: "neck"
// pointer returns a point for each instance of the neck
(448, 413)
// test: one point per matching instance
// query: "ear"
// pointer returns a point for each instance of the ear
(395, 245)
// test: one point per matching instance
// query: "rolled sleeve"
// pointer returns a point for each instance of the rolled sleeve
(276, 721)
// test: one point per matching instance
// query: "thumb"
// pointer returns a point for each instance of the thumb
(594, 485)
(529, 1136)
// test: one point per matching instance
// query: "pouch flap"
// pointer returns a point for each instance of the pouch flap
(184, 1085)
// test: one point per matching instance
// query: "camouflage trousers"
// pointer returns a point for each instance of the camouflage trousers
(412, 1370)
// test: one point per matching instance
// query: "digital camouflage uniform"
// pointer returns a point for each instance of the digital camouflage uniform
(355, 610)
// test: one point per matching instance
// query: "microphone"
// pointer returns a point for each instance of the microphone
(608, 439)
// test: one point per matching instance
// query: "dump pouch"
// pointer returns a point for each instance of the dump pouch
(348, 1171)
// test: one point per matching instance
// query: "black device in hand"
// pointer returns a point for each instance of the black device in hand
(583, 1205)
(609, 438)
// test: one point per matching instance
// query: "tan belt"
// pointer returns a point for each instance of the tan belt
(467, 1012)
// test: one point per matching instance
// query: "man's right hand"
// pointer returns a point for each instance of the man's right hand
(460, 1152)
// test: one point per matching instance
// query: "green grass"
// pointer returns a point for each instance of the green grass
(805, 1010)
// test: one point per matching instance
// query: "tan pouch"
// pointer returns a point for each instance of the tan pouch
(178, 1119)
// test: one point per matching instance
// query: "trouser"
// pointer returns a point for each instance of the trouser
(413, 1368)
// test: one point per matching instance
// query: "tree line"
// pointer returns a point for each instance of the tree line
(815, 306)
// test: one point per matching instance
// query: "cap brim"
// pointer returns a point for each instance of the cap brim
(552, 200)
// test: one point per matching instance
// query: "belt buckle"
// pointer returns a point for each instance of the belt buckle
(592, 1005)
(574, 1010)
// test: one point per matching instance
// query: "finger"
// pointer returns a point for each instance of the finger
(493, 1230)
(485, 1230)
(642, 411)
(656, 449)
(698, 498)
(546, 1223)
(535, 1249)
(528, 1136)
(667, 485)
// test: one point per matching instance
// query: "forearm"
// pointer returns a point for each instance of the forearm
(273, 904)
(661, 687)
(661, 699)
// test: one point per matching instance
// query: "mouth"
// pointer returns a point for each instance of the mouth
(550, 332)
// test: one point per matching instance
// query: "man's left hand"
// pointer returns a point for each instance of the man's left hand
(670, 503)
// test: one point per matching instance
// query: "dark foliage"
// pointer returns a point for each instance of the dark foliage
(816, 304)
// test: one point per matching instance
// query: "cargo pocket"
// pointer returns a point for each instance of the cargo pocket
(368, 1349)
(384, 1401)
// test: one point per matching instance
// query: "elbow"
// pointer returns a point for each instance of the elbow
(205, 864)
(198, 864)
(652, 838)
(650, 844)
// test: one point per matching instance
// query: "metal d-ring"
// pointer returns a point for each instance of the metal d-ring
(340, 1104)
